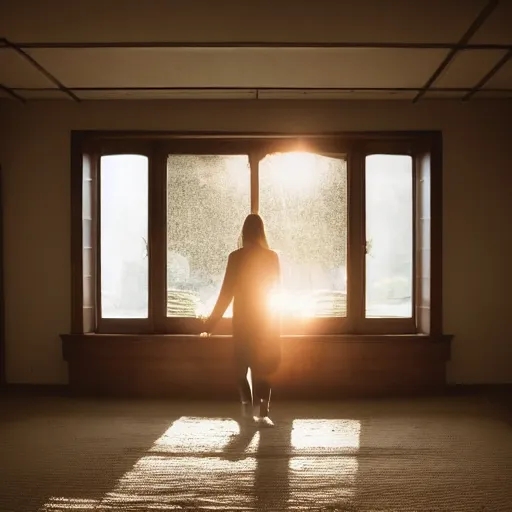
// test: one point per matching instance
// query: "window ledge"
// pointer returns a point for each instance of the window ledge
(321, 338)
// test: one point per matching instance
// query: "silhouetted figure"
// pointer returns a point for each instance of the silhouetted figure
(252, 275)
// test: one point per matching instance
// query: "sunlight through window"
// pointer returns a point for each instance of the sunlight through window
(294, 171)
(318, 480)
(303, 201)
(325, 434)
(189, 464)
(124, 236)
(196, 435)
(214, 464)
(389, 236)
(208, 198)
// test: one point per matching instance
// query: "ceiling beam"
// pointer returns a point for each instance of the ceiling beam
(259, 44)
(488, 76)
(462, 91)
(42, 70)
(268, 88)
(464, 40)
(12, 93)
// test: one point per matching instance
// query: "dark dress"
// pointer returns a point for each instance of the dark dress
(252, 274)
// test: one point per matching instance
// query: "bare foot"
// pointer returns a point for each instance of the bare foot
(265, 422)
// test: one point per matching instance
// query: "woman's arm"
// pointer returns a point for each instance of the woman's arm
(225, 296)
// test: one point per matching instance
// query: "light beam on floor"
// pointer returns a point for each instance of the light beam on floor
(217, 464)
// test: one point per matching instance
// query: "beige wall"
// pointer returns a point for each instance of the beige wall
(34, 153)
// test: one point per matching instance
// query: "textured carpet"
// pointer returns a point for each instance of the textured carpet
(446, 454)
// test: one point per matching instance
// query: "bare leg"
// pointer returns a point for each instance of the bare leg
(263, 391)
(243, 385)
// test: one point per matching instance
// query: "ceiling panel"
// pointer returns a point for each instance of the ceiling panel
(16, 71)
(125, 94)
(43, 94)
(240, 67)
(468, 67)
(335, 94)
(498, 27)
(417, 21)
(502, 79)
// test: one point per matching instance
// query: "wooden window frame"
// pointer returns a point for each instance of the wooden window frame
(424, 147)
(2, 312)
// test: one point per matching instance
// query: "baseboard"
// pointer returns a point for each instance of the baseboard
(477, 389)
(64, 389)
(35, 389)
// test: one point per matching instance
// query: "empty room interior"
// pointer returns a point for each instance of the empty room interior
(141, 142)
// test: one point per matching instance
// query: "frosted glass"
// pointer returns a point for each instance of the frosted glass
(303, 201)
(208, 200)
(389, 235)
(124, 235)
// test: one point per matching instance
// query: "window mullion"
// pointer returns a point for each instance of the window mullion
(415, 245)
(96, 177)
(157, 239)
(356, 241)
(254, 162)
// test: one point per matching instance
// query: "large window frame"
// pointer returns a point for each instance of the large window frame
(425, 148)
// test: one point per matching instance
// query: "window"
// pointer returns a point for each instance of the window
(389, 236)
(303, 200)
(123, 223)
(208, 198)
(352, 217)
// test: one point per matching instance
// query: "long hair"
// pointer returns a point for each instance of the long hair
(253, 232)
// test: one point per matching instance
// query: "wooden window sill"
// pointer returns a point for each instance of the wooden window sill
(312, 337)
(392, 339)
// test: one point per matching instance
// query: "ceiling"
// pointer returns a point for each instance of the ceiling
(128, 49)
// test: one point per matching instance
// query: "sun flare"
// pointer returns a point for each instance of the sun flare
(293, 304)
(295, 171)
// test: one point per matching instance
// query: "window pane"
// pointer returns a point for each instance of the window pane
(389, 235)
(208, 200)
(303, 201)
(124, 232)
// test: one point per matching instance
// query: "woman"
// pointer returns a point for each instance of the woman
(252, 275)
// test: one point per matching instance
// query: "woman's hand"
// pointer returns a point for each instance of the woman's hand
(206, 329)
